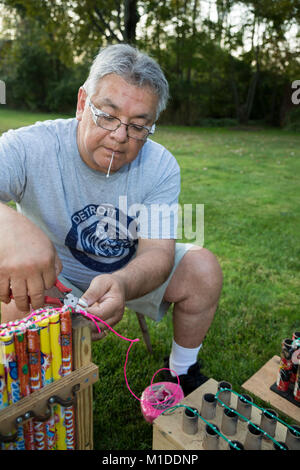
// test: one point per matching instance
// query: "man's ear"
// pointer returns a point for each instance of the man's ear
(81, 99)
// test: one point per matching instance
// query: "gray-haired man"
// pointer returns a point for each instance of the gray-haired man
(85, 189)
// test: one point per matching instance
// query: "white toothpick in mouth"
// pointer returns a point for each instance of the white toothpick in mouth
(108, 171)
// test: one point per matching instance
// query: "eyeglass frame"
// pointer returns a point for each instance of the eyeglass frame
(96, 112)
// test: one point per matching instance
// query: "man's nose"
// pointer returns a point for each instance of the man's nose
(120, 134)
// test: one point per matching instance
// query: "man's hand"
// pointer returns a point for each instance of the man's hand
(28, 261)
(105, 299)
(107, 293)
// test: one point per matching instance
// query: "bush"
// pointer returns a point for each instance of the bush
(293, 120)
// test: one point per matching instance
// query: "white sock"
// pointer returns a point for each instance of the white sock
(182, 358)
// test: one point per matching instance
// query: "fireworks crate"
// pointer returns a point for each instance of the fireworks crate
(214, 417)
(68, 397)
(278, 381)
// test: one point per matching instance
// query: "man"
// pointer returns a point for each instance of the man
(84, 190)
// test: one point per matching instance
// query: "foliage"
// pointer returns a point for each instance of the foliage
(217, 67)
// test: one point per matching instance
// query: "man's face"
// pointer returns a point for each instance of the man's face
(129, 103)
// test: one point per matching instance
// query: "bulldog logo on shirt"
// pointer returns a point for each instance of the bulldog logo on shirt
(102, 237)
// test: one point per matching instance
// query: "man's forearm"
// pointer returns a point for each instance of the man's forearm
(145, 272)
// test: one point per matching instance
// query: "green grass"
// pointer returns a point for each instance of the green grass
(11, 119)
(249, 184)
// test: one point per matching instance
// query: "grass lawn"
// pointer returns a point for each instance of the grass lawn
(248, 181)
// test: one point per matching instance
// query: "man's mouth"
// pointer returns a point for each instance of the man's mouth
(110, 150)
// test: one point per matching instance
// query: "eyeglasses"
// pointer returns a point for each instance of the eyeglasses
(111, 123)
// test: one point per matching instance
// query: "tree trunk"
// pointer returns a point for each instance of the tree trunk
(131, 19)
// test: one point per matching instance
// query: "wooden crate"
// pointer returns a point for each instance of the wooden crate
(168, 433)
(78, 385)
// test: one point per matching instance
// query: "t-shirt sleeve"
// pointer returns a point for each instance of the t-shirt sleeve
(158, 215)
(12, 167)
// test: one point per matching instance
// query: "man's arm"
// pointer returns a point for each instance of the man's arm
(108, 293)
(28, 260)
(149, 269)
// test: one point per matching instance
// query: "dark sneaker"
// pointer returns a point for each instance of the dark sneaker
(188, 382)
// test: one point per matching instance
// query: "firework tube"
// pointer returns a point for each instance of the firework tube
(46, 366)
(10, 367)
(34, 356)
(285, 366)
(12, 382)
(23, 374)
(54, 328)
(23, 367)
(296, 336)
(297, 386)
(67, 366)
(3, 385)
(47, 376)
(296, 392)
(3, 388)
(35, 370)
(66, 342)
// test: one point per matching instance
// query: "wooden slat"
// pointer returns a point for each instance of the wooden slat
(82, 356)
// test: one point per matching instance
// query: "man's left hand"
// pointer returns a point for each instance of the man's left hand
(105, 298)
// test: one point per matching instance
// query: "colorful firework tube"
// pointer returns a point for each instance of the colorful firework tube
(46, 369)
(10, 367)
(66, 342)
(54, 328)
(46, 363)
(296, 392)
(285, 366)
(12, 382)
(35, 370)
(3, 387)
(23, 374)
(296, 335)
(34, 356)
(50, 431)
(67, 366)
(23, 367)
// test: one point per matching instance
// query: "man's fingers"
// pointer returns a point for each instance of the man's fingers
(20, 294)
(107, 310)
(5, 290)
(95, 336)
(36, 291)
(96, 290)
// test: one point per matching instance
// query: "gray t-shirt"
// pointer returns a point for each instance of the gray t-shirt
(93, 221)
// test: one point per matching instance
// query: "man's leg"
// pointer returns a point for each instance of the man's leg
(195, 289)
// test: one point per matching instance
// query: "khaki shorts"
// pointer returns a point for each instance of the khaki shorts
(151, 304)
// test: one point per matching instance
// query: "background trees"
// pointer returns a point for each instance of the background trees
(224, 59)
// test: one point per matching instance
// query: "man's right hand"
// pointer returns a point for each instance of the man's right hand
(28, 261)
